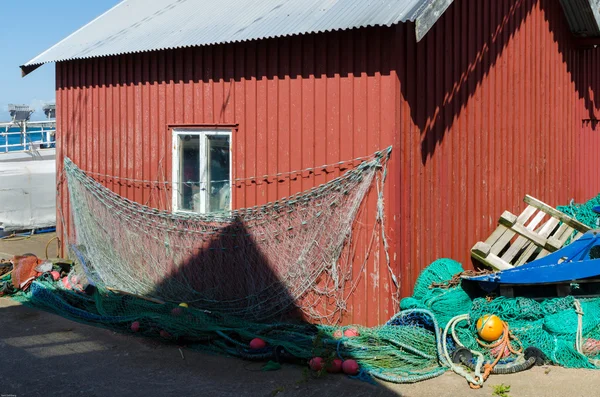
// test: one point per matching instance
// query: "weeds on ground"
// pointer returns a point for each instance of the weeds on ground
(305, 377)
(501, 390)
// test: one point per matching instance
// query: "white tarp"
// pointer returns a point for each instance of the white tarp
(27, 194)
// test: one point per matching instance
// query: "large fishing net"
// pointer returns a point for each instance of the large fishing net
(256, 263)
(408, 348)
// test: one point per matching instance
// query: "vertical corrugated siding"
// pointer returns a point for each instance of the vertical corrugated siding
(487, 108)
(488, 115)
(587, 165)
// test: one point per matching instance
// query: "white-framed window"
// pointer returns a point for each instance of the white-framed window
(201, 170)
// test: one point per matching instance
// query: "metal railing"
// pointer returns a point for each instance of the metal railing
(36, 135)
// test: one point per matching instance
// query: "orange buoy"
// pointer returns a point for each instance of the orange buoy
(316, 363)
(165, 334)
(135, 326)
(65, 282)
(490, 327)
(176, 311)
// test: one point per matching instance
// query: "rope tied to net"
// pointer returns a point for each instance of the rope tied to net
(579, 335)
(498, 349)
(501, 346)
(473, 379)
(381, 220)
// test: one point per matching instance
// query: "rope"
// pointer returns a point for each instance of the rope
(579, 334)
(48, 244)
(501, 345)
(266, 176)
(476, 379)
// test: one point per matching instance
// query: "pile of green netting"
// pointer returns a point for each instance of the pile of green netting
(406, 349)
(550, 325)
(402, 352)
(583, 212)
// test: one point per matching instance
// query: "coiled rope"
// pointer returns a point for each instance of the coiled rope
(473, 379)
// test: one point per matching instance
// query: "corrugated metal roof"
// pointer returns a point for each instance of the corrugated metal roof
(583, 16)
(148, 25)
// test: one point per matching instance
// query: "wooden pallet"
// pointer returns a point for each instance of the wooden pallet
(538, 231)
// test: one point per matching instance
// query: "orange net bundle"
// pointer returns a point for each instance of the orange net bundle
(24, 270)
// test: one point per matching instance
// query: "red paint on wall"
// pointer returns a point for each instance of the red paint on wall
(487, 108)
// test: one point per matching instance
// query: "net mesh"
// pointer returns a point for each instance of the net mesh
(583, 212)
(255, 263)
(406, 349)
(550, 325)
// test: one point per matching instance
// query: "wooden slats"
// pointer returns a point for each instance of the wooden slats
(580, 227)
(522, 242)
(545, 231)
(535, 237)
(505, 234)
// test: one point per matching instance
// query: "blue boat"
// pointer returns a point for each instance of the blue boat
(577, 262)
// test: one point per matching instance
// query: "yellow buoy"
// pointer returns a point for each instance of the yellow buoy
(490, 327)
(183, 304)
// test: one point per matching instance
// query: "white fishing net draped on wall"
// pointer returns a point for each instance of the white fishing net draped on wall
(255, 263)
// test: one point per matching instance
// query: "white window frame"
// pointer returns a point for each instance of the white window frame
(203, 166)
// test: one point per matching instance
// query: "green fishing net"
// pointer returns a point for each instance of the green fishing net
(550, 325)
(583, 212)
(406, 349)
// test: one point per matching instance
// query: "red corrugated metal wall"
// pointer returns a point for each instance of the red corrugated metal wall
(587, 165)
(484, 110)
(489, 113)
(298, 102)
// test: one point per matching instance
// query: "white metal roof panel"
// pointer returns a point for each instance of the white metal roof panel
(149, 25)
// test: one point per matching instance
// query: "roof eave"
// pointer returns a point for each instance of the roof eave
(26, 69)
(583, 17)
(429, 16)
(424, 19)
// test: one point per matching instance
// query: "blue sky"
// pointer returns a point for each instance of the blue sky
(27, 29)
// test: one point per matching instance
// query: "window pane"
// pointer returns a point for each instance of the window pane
(219, 188)
(189, 173)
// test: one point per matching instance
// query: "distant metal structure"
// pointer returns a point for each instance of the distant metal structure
(20, 113)
(33, 134)
(50, 111)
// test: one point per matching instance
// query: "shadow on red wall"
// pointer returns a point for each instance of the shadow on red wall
(440, 75)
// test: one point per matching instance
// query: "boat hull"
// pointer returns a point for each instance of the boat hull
(572, 263)
(27, 190)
